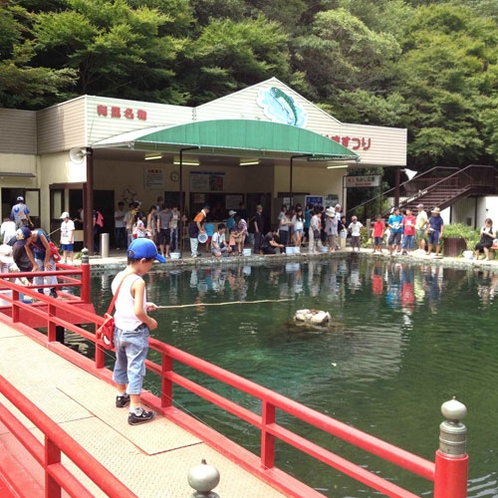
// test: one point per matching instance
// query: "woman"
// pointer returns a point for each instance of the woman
(487, 237)
(151, 223)
(298, 227)
(241, 233)
(283, 226)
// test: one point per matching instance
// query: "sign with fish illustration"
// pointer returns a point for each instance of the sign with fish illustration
(280, 107)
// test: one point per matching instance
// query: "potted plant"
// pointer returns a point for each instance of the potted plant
(457, 238)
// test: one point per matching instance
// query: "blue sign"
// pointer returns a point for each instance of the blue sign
(314, 200)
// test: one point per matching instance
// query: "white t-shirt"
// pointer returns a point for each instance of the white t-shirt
(67, 232)
(218, 239)
(119, 223)
(355, 229)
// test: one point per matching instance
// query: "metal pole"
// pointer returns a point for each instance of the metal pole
(88, 203)
(180, 226)
(452, 461)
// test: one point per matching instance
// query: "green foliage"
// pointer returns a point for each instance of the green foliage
(230, 55)
(469, 234)
(445, 73)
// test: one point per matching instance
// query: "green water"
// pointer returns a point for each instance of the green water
(406, 339)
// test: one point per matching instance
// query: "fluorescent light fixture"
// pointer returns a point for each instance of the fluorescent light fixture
(187, 162)
(152, 156)
(249, 162)
(337, 166)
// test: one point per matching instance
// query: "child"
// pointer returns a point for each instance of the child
(409, 222)
(139, 230)
(231, 241)
(132, 326)
(378, 233)
(355, 228)
(67, 237)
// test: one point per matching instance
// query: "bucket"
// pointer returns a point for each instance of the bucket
(176, 255)
(246, 252)
(202, 238)
(324, 249)
(468, 254)
(289, 250)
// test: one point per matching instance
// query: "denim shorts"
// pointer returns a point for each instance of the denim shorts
(131, 351)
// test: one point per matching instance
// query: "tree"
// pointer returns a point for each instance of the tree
(118, 47)
(231, 55)
(342, 54)
(447, 75)
(22, 84)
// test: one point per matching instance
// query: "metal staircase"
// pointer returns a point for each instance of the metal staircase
(444, 187)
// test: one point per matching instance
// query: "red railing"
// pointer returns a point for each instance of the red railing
(48, 453)
(444, 473)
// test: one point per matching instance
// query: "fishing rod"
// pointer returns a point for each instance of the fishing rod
(165, 307)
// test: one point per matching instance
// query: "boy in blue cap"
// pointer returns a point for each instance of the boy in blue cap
(132, 326)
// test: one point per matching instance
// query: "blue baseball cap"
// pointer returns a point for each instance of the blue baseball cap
(144, 248)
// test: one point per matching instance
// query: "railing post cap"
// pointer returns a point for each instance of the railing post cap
(203, 478)
(453, 410)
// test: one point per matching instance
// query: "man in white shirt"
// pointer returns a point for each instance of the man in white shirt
(219, 246)
(420, 227)
(7, 230)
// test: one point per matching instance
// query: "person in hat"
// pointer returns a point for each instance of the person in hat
(67, 237)
(435, 230)
(421, 227)
(132, 326)
(7, 263)
(39, 252)
(331, 229)
(231, 220)
(20, 213)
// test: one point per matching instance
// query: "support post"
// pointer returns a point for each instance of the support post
(452, 461)
(85, 276)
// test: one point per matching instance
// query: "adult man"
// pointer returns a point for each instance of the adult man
(164, 218)
(20, 213)
(420, 227)
(218, 242)
(120, 227)
(258, 224)
(195, 228)
(7, 230)
(269, 245)
(435, 229)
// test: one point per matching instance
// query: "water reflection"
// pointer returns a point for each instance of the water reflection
(405, 338)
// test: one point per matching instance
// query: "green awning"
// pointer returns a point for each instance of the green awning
(236, 134)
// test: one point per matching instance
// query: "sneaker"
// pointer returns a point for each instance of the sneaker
(122, 401)
(142, 417)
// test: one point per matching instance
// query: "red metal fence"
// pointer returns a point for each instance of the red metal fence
(449, 474)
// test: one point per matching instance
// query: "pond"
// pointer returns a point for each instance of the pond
(405, 338)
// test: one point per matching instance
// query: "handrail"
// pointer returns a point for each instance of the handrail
(270, 403)
(474, 181)
(57, 441)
